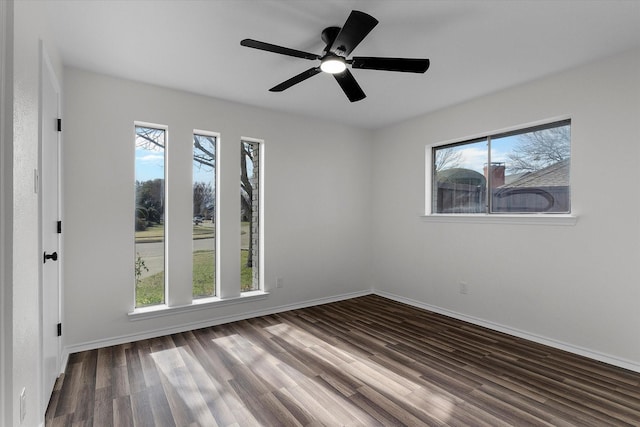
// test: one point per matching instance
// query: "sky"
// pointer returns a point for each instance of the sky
(474, 156)
(149, 165)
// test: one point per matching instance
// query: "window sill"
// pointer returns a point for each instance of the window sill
(524, 219)
(197, 304)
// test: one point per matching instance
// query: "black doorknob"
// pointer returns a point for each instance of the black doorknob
(53, 257)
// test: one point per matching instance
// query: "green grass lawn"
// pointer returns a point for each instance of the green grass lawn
(246, 273)
(204, 273)
(154, 233)
(150, 290)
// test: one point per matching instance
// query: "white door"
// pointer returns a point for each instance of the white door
(49, 217)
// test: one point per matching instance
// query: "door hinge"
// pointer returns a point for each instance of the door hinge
(59, 329)
(59, 227)
(59, 125)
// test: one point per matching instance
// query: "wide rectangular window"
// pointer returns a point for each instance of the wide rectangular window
(250, 216)
(523, 171)
(149, 262)
(204, 215)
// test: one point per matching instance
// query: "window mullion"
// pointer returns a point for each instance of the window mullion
(489, 175)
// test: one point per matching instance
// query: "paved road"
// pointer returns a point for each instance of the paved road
(153, 254)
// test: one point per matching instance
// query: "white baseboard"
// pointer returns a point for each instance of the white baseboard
(611, 360)
(122, 339)
(90, 345)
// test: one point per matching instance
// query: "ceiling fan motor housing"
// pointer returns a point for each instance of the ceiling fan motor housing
(328, 36)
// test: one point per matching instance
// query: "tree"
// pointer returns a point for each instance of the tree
(149, 193)
(447, 158)
(203, 199)
(204, 151)
(204, 158)
(248, 156)
(151, 139)
(539, 149)
(149, 201)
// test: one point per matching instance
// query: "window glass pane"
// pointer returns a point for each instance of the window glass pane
(530, 171)
(204, 215)
(149, 215)
(459, 183)
(249, 216)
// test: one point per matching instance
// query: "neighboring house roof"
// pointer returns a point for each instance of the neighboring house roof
(460, 175)
(555, 175)
(508, 179)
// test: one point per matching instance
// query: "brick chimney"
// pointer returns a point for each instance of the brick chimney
(497, 174)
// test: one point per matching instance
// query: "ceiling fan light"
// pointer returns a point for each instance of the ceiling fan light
(333, 65)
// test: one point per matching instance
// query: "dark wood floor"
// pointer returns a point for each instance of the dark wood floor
(366, 361)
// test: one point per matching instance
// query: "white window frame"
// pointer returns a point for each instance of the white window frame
(215, 135)
(164, 128)
(231, 289)
(261, 175)
(489, 218)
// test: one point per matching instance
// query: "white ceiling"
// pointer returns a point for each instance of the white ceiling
(475, 47)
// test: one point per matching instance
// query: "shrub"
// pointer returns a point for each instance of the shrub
(141, 224)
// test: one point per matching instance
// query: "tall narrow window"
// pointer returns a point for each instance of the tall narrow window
(150, 143)
(204, 215)
(250, 215)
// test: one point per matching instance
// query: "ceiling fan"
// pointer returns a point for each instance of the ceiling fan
(340, 42)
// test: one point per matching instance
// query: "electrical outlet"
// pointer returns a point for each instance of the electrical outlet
(279, 282)
(464, 288)
(23, 404)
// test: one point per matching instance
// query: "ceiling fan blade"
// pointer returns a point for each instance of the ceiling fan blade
(407, 65)
(350, 86)
(355, 29)
(296, 79)
(278, 49)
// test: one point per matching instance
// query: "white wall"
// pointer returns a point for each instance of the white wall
(317, 199)
(30, 29)
(571, 286)
(575, 286)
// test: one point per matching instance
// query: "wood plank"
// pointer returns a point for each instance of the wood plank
(365, 361)
(103, 367)
(122, 414)
(70, 391)
(103, 410)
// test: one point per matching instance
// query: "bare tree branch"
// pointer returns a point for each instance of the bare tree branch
(447, 158)
(537, 150)
(205, 156)
(149, 138)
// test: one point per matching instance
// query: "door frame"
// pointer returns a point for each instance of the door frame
(47, 71)
(6, 209)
